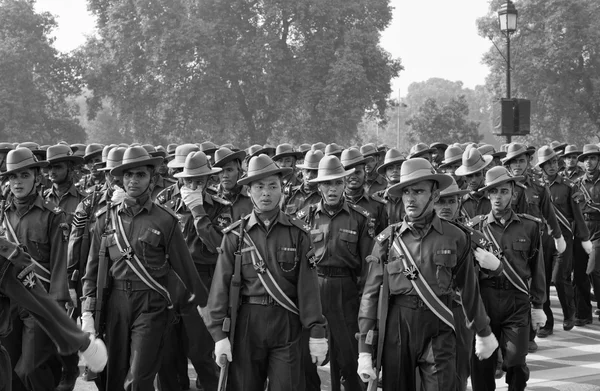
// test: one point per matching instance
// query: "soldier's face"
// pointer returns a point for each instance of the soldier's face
(230, 174)
(58, 172)
(196, 183)
(266, 193)
(308, 175)
(137, 180)
(550, 168)
(392, 173)
(518, 165)
(475, 180)
(357, 179)
(332, 191)
(446, 207)
(287, 161)
(570, 161)
(450, 169)
(416, 198)
(500, 197)
(91, 164)
(22, 182)
(371, 164)
(590, 163)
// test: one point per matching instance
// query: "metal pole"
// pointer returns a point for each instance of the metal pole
(398, 132)
(508, 138)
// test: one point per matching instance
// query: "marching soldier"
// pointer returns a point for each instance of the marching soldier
(374, 182)
(514, 299)
(307, 192)
(39, 227)
(143, 245)
(390, 170)
(285, 156)
(473, 167)
(572, 170)
(419, 262)
(334, 149)
(437, 154)
(452, 161)
(342, 236)
(421, 150)
(278, 286)
(230, 163)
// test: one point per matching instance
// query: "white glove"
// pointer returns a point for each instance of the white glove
(74, 298)
(365, 367)
(538, 318)
(87, 323)
(191, 198)
(95, 356)
(118, 195)
(587, 247)
(318, 349)
(560, 244)
(485, 346)
(223, 348)
(486, 259)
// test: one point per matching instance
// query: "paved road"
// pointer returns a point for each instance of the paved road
(565, 361)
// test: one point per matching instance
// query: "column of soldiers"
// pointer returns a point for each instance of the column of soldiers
(402, 272)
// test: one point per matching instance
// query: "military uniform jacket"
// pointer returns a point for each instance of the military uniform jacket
(445, 260)
(563, 193)
(520, 242)
(341, 240)
(572, 174)
(156, 239)
(43, 233)
(393, 206)
(160, 184)
(286, 250)
(376, 208)
(67, 202)
(591, 185)
(299, 198)
(241, 205)
(475, 204)
(375, 183)
(533, 198)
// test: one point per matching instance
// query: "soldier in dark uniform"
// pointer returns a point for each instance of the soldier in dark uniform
(390, 170)
(452, 161)
(563, 192)
(437, 154)
(420, 326)
(144, 244)
(572, 170)
(514, 299)
(20, 287)
(342, 238)
(374, 182)
(161, 182)
(39, 227)
(307, 192)
(93, 155)
(421, 150)
(64, 193)
(286, 156)
(489, 150)
(270, 322)
(231, 164)
(473, 170)
(356, 194)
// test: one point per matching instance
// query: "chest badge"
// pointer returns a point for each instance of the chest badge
(411, 273)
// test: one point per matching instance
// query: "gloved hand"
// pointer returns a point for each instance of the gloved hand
(318, 349)
(591, 265)
(191, 198)
(365, 367)
(538, 318)
(118, 195)
(95, 356)
(87, 323)
(223, 348)
(74, 298)
(485, 346)
(587, 247)
(486, 259)
(560, 244)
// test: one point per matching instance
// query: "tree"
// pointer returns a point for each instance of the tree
(555, 61)
(35, 80)
(448, 124)
(250, 71)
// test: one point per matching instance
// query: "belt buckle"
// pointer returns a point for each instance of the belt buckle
(128, 285)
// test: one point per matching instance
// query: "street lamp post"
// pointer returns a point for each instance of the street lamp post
(507, 15)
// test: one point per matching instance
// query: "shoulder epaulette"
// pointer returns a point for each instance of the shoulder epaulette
(100, 211)
(302, 213)
(53, 207)
(166, 209)
(235, 224)
(378, 198)
(475, 221)
(219, 199)
(568, 182)
(360, 209)
(384, 235)
(530, 217)
(299, 223)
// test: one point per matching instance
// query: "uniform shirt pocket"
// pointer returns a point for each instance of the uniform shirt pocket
(445, 261)
(350, 238)
(395, 267)
(38, 239)
(287, 260)
(153, 252)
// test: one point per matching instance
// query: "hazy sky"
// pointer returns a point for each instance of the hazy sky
(434, 38)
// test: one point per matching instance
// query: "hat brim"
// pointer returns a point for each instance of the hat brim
(212, 171)
(547, 158)
(516, 178)
(508, 157)
(454, 160)
(161, 154)
(305, 167)
(453, 193)
(381, 169)
(584, 155)
(294, 154)
(439, 145)
(443, 181)
(119, 170)
(280, 171)
(239, 155)
(72, 158)
(462, 170)
(364, 160)
(421, 153)
(266, 151)
(332, 177)
(39, 164)
(375, 153)
(572, 153)
(92, 155)
(499, 154)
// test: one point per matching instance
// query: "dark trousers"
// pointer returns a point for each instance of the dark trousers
(594, 270)
(173, 372)
(5, 371)
(40, 328)
(136, 324)
(561, 276)
(311, 375)
(266, 346)
(339, 299)
(416, 340)
(548, 249)
(509, 319)
(465, 338)
(581, 282)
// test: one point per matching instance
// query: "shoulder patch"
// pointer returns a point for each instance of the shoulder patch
(169, 211)
(53, 207)
(303, 212)
(384, 235)
(359, 209)
(530, 217)
(299, 223)
(475, 221)
(234, 225)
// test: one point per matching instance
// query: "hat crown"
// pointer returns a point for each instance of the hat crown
(304, 147)
(414, 168)
(196, 162)
(283, 148)
(312, 159)
(58, 151)
(181, 153)
(392, 156)
(115, 157)
(451, 190)
(497, 174)
(135, 154)
(471, 157)
(208, 146)
(330, 165)
(591, 148)
(332, 149)
(351, 156)
(93, 148)
(487, 149)
(149, 148)
(545, 154)
(320, 146)
(261, 164)
(368, 150)
(106, 150)
(569, 149)
(19, 156)
(253, 149)
(452, 154)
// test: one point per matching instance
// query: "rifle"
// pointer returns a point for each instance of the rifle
(103, 285)
(229, 323)
(382, 313)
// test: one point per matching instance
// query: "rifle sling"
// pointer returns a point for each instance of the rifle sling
(41, 272)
